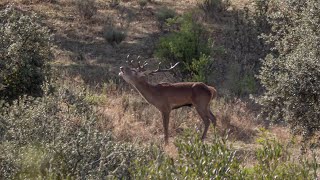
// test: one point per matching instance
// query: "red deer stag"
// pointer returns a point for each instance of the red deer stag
(168, 96)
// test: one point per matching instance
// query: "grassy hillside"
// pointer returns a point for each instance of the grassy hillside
(85, 70)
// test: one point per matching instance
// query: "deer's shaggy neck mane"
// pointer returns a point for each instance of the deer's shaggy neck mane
(148, 91)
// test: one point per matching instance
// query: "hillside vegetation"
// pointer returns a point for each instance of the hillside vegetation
(66, 114)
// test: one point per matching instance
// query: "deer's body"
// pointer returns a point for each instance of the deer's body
(175, 95)
(168, 96)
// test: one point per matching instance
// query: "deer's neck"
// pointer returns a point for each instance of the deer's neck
(148, 91)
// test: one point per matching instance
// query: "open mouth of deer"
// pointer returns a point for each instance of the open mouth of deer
(121, 71)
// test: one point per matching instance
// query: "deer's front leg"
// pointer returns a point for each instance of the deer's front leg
(165, 121)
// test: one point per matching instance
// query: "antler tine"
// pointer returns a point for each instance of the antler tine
(163, 70)
(141, 66)
(131, 63)
(128, 61)
(138, 65)
(145, 63)
(158, 68)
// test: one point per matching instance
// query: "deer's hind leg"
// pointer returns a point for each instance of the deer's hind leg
(212, 118)
(205, 118)
(165, 119)
(201, 99)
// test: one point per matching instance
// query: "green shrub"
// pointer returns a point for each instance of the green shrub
(243, 47)
(185, 45)
(86, 8)
(240, 83)
(200, 68)
(291, 73)
(163, 14)
(275, 161)
(196, 160)
(213, 8)
(142, 3)
(218, 160)
(113, 35)
(58, 136)
(25, 50)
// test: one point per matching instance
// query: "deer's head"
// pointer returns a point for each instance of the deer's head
(137, 73)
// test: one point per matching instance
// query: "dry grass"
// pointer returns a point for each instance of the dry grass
(136, 120)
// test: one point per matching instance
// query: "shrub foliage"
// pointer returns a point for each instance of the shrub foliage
(291, 73)
(186, 44)
(163, 14)
(25, 50)
(58, 136)
(196, 160)
(113, 35)
(276, 162)
(218, 160)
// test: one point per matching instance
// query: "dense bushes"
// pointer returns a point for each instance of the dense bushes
(235, 70)
(59, 136)
(186, 44)
(275, 160)
(25, 50)
(196, 160)
(218, 160)
(291, 73)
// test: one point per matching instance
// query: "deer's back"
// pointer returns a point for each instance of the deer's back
(183, 93)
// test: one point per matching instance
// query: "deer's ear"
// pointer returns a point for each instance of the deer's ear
(147, 72)
(141, 74)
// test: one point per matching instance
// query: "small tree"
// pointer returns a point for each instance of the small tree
(25, 49)
(186, 44)
(291, 74)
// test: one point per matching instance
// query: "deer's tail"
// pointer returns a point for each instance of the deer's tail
(213, 92)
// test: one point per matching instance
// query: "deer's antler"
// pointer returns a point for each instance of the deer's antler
(163, 70)
(129, 62)
(140, 67)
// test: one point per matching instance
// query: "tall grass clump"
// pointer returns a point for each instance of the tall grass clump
(113, 35)
(214, 8)
(25, 51)
(86, 8)
(188, 45)
(290, 74)
(58, 136)
(142, 3)
(163, 14)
